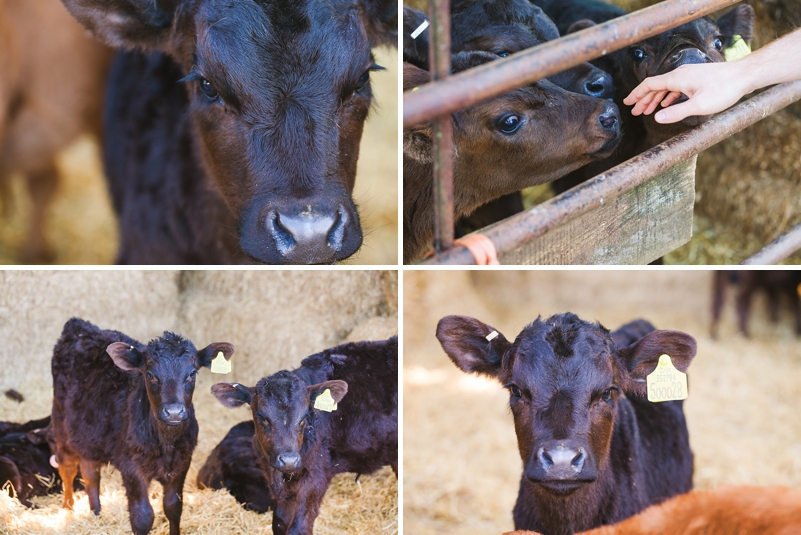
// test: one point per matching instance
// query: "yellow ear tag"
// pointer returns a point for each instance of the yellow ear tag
(738, 49)
(666, 383)
(325, 402)
(220, 365)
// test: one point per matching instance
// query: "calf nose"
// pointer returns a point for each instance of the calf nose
(173, 413)
(600, 86)
(687, 56)
(287, 462)
(609, 119)
(308, 236)
(561, 460)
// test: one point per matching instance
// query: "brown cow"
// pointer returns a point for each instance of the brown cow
(722, 511)
(50, 92)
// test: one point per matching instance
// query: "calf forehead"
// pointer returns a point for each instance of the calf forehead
(696, 30)
(265, 51)
(282, 393)
(170, 352)
(563, 354)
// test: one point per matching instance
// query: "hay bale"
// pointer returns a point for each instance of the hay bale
(275, 318)
(461, 474)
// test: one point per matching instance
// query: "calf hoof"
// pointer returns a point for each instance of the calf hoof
(68, 503)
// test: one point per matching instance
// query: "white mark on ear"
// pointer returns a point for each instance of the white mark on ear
(420, 29)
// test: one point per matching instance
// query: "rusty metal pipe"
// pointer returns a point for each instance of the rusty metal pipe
(521, 228)
(777, 250)
(439, 58)
(495, 78)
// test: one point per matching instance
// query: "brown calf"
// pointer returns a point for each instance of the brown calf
(722, 511)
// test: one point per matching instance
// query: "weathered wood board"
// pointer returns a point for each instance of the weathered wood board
(638, 227)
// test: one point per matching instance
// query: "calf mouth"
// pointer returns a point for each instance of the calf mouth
(562, 487)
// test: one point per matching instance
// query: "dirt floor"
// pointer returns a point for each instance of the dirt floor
(81, 225)
(205, 307)
(461, 465)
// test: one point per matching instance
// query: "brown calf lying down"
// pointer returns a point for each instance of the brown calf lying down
(722, 511)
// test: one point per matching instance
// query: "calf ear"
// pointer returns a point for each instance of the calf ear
(232, 394)
(381, 21)
(126, 23)
(338, 390)
(125, 356)
(209, 353)
(464, 339)
(738, 21)
(641, 357)
(580, 25)
(37, 436)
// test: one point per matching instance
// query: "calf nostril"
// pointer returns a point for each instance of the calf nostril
(284, 241)
(336, 236)
(578, 460)
(608, 121)
(544, 458)
(595, 88)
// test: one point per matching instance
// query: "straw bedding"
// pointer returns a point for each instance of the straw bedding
(82, 227)
(274, 318)
(461, 465)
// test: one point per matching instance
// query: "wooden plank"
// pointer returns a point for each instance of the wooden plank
(636, 228)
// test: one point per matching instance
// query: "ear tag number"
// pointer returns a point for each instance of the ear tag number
(666, 383)
(325, 402)
(738, 49)
(220, 365)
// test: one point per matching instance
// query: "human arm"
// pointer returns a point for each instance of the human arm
(713, 87)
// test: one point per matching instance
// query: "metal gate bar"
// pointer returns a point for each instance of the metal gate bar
(777, 250)
(521, 228)
(497, 77)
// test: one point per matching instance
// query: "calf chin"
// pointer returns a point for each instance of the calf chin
(316, 230)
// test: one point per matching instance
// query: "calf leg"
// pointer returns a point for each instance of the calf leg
(67, 469)
(283, 516)
(139, 508)
(718, 289)
(41, 186)
(91, 476)
(173, 502)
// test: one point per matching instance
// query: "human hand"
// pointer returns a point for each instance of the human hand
(709, 87)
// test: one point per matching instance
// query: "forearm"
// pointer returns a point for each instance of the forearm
(777, 62)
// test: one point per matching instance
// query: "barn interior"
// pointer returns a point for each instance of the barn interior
(461, 464)
(274, 318)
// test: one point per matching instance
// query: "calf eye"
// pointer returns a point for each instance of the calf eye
(717, 43)
(364, 79)
(191, 377)
(514, 390)
(152, 379)
(607, 395)
(638, 54)
(509, 124)
(208, 89)
(503, 53)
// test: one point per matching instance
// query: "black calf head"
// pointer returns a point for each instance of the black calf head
(281, 405)
(169, 365)
(565, 378)
(279, 93)
(504, 27)
(701, 41)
